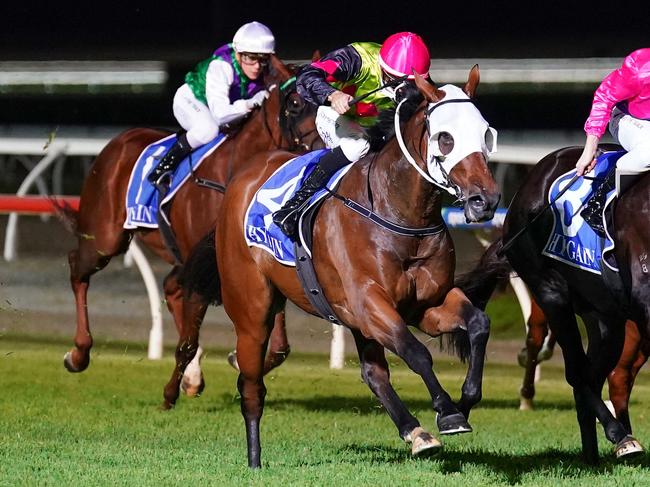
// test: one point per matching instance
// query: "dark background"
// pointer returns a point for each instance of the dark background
(182, 33)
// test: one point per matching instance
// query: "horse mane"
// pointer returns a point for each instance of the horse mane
(384, 129)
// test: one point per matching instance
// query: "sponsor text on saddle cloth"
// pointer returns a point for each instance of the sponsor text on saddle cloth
(142, 196)
(572, 240)
(259, 229)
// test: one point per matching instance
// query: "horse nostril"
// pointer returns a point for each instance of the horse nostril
(477, 202)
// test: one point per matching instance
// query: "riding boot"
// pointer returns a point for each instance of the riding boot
(592, 213)
(171, 160)
(287, 217)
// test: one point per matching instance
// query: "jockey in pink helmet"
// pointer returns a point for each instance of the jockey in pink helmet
(358, 69)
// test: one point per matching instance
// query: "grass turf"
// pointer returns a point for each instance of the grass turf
(320, 427)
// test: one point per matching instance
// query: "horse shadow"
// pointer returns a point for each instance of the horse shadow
(511, 468)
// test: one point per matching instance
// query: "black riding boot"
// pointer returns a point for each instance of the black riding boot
(171, 160)
(287, 217)
(592, 213)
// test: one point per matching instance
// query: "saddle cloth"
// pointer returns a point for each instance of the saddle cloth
(572, 240)
(259, 229)
(142, 196)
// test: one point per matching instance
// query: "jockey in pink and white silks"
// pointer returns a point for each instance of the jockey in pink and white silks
(623, 101)
(331, 83)
(220, 89)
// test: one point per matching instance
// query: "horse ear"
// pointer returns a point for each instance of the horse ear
(315, 56)
(472, 81)
(428, 90)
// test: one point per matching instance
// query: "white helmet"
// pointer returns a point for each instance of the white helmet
(254, 37)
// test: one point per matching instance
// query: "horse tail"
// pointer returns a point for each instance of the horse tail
(492, 270)
(478, 285)
(200, 275)
(66, 214)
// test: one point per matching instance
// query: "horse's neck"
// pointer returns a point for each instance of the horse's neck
(261, 132)
(400, 192)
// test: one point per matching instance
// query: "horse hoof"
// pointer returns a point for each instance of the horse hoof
(452, 424)
(627, 448)
(526, 404)
(191, 390)
(166, 406)
(423, 443)
(70, 366)
(232, 360)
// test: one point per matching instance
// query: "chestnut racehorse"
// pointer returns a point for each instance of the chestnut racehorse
(377, 282)
(562, 290)
(283, 121)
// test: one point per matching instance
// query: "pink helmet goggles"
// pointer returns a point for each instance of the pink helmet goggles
(404, 52)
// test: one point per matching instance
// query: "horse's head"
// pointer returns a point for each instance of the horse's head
(296, 117)
(459, 143)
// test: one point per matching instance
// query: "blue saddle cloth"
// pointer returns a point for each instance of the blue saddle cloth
(142, 196)
(572, 240)
(259, 229)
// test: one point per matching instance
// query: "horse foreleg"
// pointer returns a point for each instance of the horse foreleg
(375, 373)
(383, 323)
(456, 313)
(187, 348)
(537, 332)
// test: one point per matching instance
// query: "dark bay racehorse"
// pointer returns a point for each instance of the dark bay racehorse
(377, 282)
(620, 380)
(283, 121)
(562, 290)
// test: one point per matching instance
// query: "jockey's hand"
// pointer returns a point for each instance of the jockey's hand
(587, 159)
(340, 101)
(257, 99)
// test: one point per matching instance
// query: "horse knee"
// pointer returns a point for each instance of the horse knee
(371, 374)
(478, 327)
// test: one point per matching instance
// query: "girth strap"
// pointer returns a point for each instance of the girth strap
(311, 286)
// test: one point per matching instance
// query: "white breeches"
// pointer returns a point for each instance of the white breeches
(195, 117)
(339, 131)
(634, 135)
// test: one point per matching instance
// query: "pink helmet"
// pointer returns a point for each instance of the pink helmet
(404, 52)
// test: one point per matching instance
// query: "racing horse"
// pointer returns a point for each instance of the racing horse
(283, 121)
(561, 291)
(376, 281)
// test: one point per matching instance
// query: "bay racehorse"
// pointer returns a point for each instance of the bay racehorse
(377, 282)
(283, 121)
(562, 291)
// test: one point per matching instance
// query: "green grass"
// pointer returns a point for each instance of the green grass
(320, 427)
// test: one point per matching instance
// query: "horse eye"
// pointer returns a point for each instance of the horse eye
(445, 143)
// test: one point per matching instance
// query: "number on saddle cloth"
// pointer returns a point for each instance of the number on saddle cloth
(572, 240)
(260, 231)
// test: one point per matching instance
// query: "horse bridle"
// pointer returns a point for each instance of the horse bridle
(287, 129)
(447, 183)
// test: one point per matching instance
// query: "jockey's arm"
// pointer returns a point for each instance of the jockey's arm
(313, 81)
(219, 78)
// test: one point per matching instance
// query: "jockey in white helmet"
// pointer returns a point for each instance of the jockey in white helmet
(220, 89)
